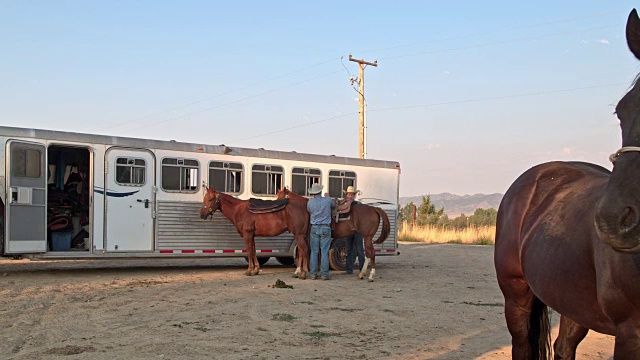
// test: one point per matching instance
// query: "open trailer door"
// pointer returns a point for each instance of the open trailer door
(26, 228)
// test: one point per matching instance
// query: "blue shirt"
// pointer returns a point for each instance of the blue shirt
(320, 210)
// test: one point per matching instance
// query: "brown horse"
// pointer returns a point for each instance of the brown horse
(568, 237)
(364, 219)
(293, 218)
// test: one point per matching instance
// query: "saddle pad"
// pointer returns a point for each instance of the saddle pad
(259, 206)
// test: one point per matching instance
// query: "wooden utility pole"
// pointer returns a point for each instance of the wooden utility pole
(363, 125)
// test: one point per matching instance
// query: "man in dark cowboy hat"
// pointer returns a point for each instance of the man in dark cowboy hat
(354, 243)
(319, 208)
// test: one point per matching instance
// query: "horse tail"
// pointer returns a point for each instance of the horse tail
(386, 227)
(539, 331)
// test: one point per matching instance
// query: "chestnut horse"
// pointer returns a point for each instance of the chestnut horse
(293, 218)
(364, 219)
(568, 237)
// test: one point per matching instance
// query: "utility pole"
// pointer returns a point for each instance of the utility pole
(363, 125)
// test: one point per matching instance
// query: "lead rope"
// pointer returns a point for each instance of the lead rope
(613, 157)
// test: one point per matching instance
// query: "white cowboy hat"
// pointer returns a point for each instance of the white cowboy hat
(315, 189)
(350, 189)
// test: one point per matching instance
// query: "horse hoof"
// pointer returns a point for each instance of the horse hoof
(303, 276)
(360, 277)
(370, 280)
(247, 273)
(294, 275)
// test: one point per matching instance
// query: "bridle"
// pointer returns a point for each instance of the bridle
(217, 203)
(613, 157)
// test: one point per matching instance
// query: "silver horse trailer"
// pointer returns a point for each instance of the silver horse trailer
(80, 196)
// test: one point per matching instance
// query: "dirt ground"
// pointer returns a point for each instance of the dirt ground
(431, 302)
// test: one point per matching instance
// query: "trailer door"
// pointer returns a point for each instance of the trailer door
(26, 228)
(129, 200)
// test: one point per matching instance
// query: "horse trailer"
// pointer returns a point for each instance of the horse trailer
(81, 196)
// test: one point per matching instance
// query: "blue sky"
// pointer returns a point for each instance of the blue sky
(467, 94)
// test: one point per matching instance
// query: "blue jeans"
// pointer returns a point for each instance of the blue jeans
(354, 244)
(320, 240)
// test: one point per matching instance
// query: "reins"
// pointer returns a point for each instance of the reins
(613, 157)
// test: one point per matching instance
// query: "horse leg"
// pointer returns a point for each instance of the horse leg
(256, 264)
(627, 345)
(304, 262)
(570, 335)
(247, 245)
(298, 272)
(527, 320)
(370, 257)
(303, 256)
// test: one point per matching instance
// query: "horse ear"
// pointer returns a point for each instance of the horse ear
(633, 33)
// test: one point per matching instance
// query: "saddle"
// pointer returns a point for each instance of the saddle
(342, 211)
(259, 206)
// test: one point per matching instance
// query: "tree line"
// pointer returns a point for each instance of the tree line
(427, 214)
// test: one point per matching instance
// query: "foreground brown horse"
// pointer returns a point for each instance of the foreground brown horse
(568, 237)
(293, 218)
(364, 219)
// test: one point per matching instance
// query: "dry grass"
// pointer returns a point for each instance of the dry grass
(484, 235)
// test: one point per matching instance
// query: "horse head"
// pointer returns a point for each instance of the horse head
(618, 212)
(210, 203)
(283, 193)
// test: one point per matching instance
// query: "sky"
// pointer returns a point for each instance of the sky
(466, 95)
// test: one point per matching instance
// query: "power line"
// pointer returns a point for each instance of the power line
(436, 104)
(233, 102)
(295, 127)
(369, 51)
(500, 42)
(501, 97)
(493, 32)
(218, 95)
(308, 80)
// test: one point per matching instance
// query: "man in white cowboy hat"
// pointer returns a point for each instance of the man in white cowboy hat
(319, 208)
(354, 243)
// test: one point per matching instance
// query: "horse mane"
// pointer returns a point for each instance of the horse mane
(635, 80)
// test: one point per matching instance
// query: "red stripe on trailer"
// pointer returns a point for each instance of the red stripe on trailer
(209, 251)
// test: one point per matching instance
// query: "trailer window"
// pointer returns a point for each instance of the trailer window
(266, 179)
(339, 181)
(303, 178)
(226, 176)
(130, 171)
(180, 175)
(26, 162)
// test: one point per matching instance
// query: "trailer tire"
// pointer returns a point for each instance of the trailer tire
(286, 261)
(261, 260)
(338, 255)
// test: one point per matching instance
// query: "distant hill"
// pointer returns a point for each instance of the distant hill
(454, 205)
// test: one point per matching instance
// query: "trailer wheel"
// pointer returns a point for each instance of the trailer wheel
(338, 255)
(286, 261)
(261, 260)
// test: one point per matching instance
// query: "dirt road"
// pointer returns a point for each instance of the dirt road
(431, 302)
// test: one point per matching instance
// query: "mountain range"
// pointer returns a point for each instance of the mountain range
(454, 205)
